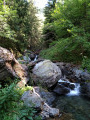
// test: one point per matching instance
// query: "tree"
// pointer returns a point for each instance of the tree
(21, 29)
(49, 34)
(71, 21)
(48, 11)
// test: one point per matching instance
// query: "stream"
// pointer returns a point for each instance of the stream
(78, 106)
(73, 104)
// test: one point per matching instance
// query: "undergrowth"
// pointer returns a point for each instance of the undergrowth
(12, 108)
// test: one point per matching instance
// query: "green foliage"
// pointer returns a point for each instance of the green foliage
(48, 11)
(48, 31)
(8, 101)
(20, 91)
(86, 63)
(18, 25)
(71, 21)
(8, 81)
(12, 108)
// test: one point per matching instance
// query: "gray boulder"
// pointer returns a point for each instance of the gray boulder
(46, 73)
(33, 99)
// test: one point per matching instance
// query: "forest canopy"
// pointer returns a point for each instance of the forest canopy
(67, 31)
(18, 24)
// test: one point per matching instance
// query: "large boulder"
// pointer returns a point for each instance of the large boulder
(46, 73)
(10, 67)
(33, 99)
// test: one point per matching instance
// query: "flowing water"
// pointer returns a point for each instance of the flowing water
(35, 58)
(77, 106)
(76, 91)
(73, 104)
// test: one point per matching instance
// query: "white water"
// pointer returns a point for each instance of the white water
(35, 58)
(63, 81)
(75, 92)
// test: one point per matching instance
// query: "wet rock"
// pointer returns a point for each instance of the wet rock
(71, 86)
(47, 72)
(61, 89)
(65, 84)
(32, 56)
(68, 85)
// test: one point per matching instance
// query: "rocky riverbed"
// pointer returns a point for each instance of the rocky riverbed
(59, 89)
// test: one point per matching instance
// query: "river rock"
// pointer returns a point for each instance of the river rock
(81, 75)
(46, 73)
(48, 97)
(33, 99)
(67, 71)
(61, 89)
(72, 86)
(10, 67)
(48, 112)
(32, 56)
(73, 72)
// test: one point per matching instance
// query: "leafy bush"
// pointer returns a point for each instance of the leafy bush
(86, 63)
(72, 32)
(12, 108)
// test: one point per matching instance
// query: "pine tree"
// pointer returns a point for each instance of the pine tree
(49, 33)
(19, 24)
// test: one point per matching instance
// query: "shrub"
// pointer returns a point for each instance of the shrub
(11, 107)
(72, 32)
(86, 63)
